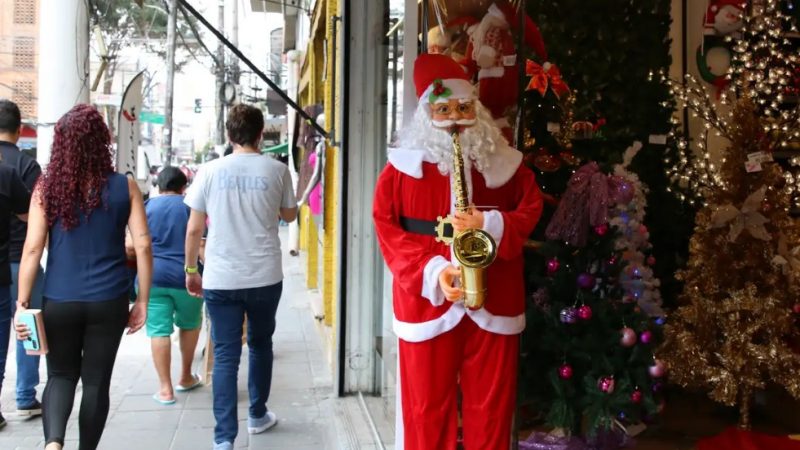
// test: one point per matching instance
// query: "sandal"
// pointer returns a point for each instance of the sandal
(158, 398)
(197, 383)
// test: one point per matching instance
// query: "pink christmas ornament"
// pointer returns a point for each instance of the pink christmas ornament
(636, 396)
(606, 384)
(658, 369)
(622, 190)
(628, 337)
(651, 261)
(646, 337)
(552, 266)
(565, 371)
(585, 312)
(601, 229)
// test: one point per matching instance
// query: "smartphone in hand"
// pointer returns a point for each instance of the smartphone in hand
(36, 343)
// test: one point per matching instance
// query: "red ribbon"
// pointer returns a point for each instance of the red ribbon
(544, 77)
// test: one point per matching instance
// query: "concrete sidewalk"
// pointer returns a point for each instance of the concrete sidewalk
(310, 416)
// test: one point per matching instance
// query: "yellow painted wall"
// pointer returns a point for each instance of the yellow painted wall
(320, 89)
(332, 184)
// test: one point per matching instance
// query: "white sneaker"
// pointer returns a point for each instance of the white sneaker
(255, 426)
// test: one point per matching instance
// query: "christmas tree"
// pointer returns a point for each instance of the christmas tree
(590, 361)
(595, 259)
(606, 50)
(735, 331)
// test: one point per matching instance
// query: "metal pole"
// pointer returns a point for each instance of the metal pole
(170, 94)
(253, 67)
(425, 26)
(332, 57)
(395, 58)
(523, 11)
(219, 104)
(235, 41)
(63, 66)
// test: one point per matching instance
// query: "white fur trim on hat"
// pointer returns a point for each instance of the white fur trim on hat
(459, 89)
(495, 12)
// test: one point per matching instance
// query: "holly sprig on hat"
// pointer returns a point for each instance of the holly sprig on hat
(439, 91)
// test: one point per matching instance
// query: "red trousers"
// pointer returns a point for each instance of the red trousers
(483, 365)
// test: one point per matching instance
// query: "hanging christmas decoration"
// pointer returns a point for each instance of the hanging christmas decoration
(628, 338)
(606, 384)
(585, 312)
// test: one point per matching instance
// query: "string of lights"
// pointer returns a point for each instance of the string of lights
(764, 68)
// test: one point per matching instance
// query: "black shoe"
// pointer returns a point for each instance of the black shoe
(31, 411)
(2, 421)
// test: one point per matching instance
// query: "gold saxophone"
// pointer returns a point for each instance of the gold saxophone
(474, 249)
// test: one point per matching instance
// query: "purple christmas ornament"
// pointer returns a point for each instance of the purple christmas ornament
(568, 315)
(646, 337)
(586, 281)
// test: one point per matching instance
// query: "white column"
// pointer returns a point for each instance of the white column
(364, 149)
(63, 65)
(294, 59)
(410, 33)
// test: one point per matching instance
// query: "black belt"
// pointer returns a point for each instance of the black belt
(426, 227)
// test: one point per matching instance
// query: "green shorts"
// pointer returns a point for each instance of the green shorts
(170, 307)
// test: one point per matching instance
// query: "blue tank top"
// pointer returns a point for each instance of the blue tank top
(87, 263)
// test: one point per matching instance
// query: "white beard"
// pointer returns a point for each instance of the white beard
(478, 142)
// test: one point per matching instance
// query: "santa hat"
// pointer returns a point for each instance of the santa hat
(438, 78)
(533, 37)
(716, 5)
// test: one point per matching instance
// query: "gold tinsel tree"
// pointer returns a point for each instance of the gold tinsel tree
(732, 335)
(737, 326)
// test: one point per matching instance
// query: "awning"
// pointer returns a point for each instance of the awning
(280, 149)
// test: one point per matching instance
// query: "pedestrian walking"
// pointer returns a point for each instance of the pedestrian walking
(80, 209)
(28, 170)
(14, 200)
(170, 304)
(244, 194)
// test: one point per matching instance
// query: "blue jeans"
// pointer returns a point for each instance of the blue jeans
(227, 309)
(27, 365)
(5, 328)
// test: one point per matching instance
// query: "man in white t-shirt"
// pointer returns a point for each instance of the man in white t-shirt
(243, 195)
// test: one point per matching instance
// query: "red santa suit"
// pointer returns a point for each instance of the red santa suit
(443, 346)
(492, 53)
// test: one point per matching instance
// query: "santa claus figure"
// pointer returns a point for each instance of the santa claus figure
(493, 54)
(445, 347)
(725, 16)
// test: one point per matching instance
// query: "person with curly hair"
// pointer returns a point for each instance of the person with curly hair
(80, 210)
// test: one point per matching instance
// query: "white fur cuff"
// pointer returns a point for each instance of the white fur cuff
(430, 280)
(494, 225)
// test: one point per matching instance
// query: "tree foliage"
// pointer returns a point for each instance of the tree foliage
(607, 51)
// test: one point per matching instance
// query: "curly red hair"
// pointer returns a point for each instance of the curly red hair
(80, 163)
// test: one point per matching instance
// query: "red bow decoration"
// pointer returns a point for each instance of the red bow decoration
(544, 77)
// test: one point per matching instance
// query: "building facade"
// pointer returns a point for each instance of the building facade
(19, 50)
